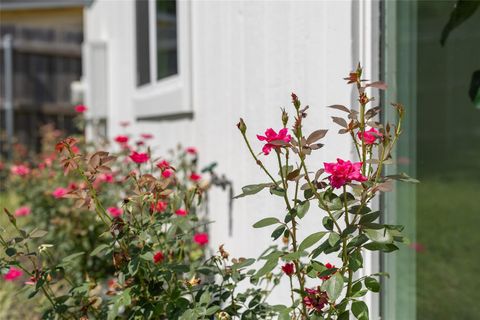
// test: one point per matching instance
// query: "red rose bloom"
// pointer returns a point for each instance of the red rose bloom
(160, 206)
(181, 212)
(201, 238)
(167, 173)
(195, 177)
(191, 150)
(315, 299)
(139, 157)
(328, 266)
(121, 139)
(158, 257)
(288, 269)
(163, 165)
(80, 108)
(146, 136)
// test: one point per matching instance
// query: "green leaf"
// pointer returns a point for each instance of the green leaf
(266, 222)
(359, 209)
(38, 233)
(355, 260)
(333, 238)
(69, 258)
(278, 232)
(333, 286)
(379, 235)
(10, 251)
(369, 217)
(344, 315)
(384, 247)
(133, 266)
(402, 177)
(285, 171)
(277, 191)
(311, 240)
(372, 284)
(360, 310)
(99, 249)
(205, 298)
(147, 256)
(302, 209)
(252, 189)
(293, 256)
(212, 310)
(243, 264)
(267, 267)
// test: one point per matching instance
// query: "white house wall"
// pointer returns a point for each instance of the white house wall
(247, 57)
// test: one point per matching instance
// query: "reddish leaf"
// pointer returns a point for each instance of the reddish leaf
(339, 107)
(316, 135)
(378, 84)
(340, 121)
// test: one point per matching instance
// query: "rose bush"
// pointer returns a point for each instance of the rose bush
(342, 191)
(123, 235)
(101, 235)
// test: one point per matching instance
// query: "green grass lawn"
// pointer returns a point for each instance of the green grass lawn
(448, 220)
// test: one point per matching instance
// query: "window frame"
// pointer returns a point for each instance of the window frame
(170, 95)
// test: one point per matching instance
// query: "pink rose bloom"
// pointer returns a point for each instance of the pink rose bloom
(139, 157)
(20, 170)
(121, 139)
(146, 136)
(12, 274)
(195, 177)
(201, 238)
(106, 177)
(164, 164)
(23, 211)
(181, 212)
(167, 173)
(59, 192)
(191, 150)
(270, 136)
(344, 172)
(115, 212)
(80, 108)
(369, 136)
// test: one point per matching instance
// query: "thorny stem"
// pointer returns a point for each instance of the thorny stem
(362, 130)
(301, 281)
(258, 161)
(299, 135)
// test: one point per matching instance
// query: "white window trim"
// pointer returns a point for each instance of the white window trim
(171, 95)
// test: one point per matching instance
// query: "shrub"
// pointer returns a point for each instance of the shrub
(106, 236)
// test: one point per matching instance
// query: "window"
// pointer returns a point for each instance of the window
(162, 58)
(166, 28)
(433, 62)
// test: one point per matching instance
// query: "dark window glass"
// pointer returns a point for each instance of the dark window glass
(166, 27)
(143, 43)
